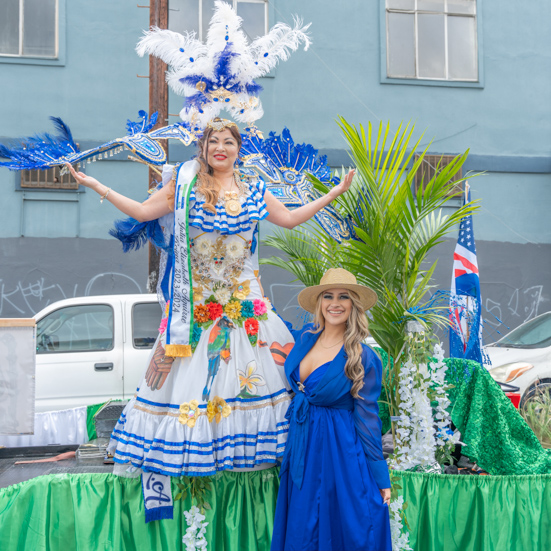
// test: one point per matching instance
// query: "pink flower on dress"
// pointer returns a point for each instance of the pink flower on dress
(259, 307)
(162, 327)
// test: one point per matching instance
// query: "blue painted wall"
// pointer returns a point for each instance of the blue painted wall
(506, 123)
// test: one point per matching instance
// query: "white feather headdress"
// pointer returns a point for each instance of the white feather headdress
(220, 74)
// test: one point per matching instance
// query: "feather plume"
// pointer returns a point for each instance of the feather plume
(64, 132)
(175, 49)
(226, 63)
(277, 45)
(38, 151)
(133, 234)
(225, 23)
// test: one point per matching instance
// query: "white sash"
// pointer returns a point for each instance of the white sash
(180, 317)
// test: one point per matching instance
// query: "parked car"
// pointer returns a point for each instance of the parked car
(523, 358)
(91, 349)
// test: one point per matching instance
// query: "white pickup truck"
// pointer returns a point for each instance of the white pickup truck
(91, 349)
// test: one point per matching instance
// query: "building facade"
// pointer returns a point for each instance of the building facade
(471, 74)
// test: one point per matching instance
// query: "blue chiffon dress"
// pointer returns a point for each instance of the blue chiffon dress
(333, 465)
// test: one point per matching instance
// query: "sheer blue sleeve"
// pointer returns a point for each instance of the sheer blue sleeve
(366, 418)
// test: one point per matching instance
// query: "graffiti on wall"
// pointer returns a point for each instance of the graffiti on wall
(27, 298)
(517, 306)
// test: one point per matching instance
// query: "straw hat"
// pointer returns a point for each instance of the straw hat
(336, 278)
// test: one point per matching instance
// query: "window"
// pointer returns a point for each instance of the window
(146, 318)
(535, 333)
(50, 178)
(432, 40)
(195, 15)
(84, 328)
(431, 165)
(29, 28)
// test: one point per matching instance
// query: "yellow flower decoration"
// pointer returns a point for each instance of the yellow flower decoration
(242, 290)
(217, 408)
(233, 309)
(189, 413)
(198, 294)
(249, 380)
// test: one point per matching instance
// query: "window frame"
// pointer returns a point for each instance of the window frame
(428, 81)
(78, 351)
(59, 58)
(234, 3)
(434, 161)
(28, 183)
(132, 324)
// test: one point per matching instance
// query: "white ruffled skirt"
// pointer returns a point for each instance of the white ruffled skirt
(177, 430)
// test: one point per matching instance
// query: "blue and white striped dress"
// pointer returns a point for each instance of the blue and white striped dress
(224, 407)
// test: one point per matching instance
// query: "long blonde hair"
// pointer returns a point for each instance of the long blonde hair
(357, 330)
(206, 183)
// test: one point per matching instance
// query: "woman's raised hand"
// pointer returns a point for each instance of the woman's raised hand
(83, 179)
(344, 185)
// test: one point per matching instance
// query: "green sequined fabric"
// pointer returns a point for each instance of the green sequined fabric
(496, 436)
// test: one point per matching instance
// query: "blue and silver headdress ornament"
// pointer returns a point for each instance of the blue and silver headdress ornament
(221, 73)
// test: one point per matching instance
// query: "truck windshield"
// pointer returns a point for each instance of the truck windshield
(534, 334)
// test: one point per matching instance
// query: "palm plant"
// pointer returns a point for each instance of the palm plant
(395, 228)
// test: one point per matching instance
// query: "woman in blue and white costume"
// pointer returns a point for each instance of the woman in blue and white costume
(221, 403)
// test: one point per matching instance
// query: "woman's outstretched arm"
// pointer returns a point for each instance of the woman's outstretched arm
(280, 215)
(154, 207)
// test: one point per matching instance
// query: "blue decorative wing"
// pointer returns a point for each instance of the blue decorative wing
(46, 151)
(281, 163)
(284, 167)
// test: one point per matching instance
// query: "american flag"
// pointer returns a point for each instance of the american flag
(466, 326)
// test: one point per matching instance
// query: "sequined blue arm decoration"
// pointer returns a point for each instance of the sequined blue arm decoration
(45, 151)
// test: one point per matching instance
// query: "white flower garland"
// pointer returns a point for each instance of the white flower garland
(417, 440)
(415, 435)
(423, 436)
(445, 438)
(195, 533)
(400, 537)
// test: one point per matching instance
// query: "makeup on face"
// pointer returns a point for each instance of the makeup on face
(336, 306)
(222, 150)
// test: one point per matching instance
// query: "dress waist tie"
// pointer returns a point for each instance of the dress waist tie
(295, 449)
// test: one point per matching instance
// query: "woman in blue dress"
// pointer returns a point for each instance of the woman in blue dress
(335, 486)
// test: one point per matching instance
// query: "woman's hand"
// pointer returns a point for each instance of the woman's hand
(280, 215)
(82, 179)
(385, 494)
(344, 185)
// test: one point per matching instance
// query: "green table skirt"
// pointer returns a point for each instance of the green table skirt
(478, 513)
(105, 512)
